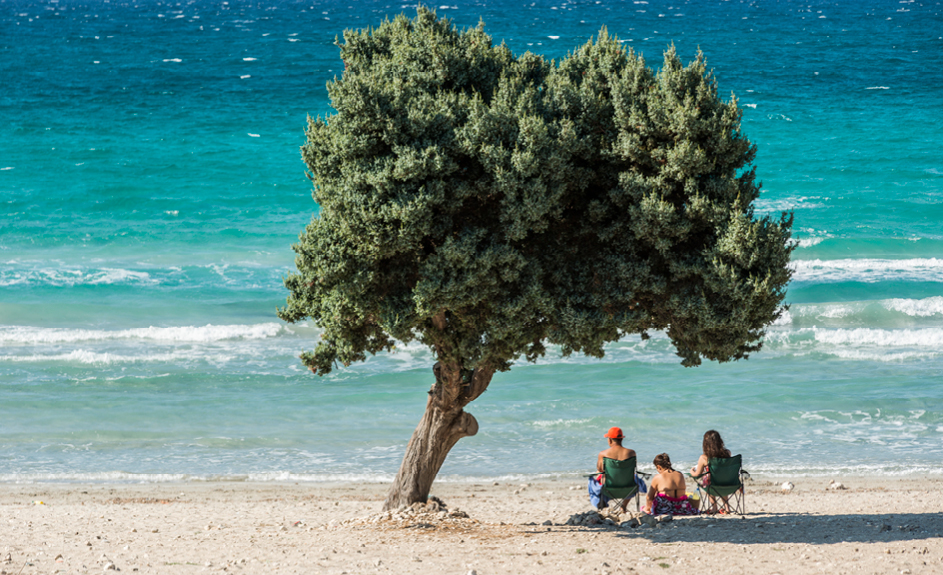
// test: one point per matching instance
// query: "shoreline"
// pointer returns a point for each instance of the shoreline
(246, 479)
(874, 525)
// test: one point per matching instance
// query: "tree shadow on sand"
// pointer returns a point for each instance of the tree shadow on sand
(771, 528)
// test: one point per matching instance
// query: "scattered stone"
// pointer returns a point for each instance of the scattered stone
(154, 530)
(8, 558)
(836, 485)
(647, 520)
(472, 572)
(377, 562)
(431, 514)
(585, 519)
(109, 566)
(547, 522)
(665, 518)
(788, 487)
(631, 523)
(59, 558)
(134, 530)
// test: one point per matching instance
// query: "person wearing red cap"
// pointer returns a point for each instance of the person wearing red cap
(614, 451)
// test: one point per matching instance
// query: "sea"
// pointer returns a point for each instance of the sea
(151, 186)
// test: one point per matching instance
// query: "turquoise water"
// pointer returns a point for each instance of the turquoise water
(151, 185)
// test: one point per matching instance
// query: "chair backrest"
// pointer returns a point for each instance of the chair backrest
(619, 473)
(725, 471)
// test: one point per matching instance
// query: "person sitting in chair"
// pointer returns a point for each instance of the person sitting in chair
(667, 495)
(713, 447)
(614, 451)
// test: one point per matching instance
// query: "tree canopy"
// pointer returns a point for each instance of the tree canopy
(488, 204)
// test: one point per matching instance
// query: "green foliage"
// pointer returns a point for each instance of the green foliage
(487, 204)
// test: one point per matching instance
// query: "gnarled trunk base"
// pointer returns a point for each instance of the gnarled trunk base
(442, 425)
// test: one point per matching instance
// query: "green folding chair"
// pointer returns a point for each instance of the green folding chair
(620, 480)
(726, 483)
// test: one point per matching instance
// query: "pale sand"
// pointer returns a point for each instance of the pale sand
(875, 526)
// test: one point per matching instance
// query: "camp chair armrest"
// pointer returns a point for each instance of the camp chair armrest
(643, 474)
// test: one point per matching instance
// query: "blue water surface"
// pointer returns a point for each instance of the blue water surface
(151, 185)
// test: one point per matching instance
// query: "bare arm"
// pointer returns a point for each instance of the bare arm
(600, 466)
(701, 466)
(653, 488)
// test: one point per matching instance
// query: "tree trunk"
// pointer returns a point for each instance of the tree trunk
(442, 425)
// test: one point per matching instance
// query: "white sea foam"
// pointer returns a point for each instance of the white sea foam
(831, 469)
(73, 277)
(868, 270)
(784, 319)
(859, 355)
(254, 135)
(925, 337)
(172, 60)
(750, 106)
(809, 242)
(762, 469)
(104, 477)
(916, 307)
(5, 169)
(12, 335)
(878, 88)
(84, 356)
(556, 423)
(764, 205)
(249, 59)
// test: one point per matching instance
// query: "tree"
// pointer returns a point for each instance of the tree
(487, 205)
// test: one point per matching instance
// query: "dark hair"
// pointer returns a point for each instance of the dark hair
(713, 445)
(617, 440)
(662, 460)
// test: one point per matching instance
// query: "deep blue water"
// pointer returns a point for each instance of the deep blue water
(151, 185)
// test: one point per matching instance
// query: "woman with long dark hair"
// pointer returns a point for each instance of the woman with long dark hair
(713, 448)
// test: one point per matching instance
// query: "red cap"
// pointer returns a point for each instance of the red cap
(614, 433)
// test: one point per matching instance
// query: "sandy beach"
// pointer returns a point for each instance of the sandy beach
(872, 526)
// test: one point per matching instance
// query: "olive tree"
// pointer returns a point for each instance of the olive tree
(488, 205)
